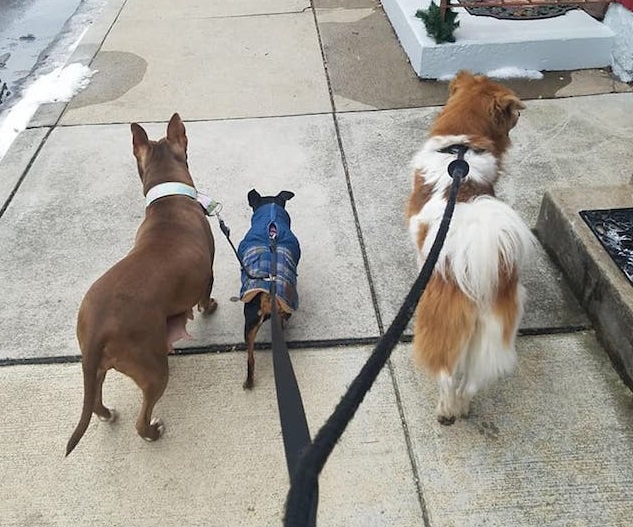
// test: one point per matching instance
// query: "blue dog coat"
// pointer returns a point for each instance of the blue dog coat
(254, 251)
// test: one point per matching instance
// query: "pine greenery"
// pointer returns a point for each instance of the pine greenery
(436, 28)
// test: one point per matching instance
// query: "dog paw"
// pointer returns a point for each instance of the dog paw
(157, 429)
(208, 308)
(446, 420)
(114, 415)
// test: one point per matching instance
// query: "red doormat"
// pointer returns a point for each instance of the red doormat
(526, 12)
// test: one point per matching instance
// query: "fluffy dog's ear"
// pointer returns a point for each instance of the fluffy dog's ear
(459, 80)
(510, 102)
(176, 134)
(284, 196)
(140, 141)
(506, 108)
(254, 198)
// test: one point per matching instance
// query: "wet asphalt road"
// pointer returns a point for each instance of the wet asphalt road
(28, 28)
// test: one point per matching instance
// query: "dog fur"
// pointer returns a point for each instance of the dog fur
(467, 319)
(254, 250)
(130, 317)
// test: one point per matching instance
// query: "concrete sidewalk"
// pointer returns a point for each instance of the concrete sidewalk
(318, 99)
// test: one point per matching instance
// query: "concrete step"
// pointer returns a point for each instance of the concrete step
(484, 44)
(597, 281)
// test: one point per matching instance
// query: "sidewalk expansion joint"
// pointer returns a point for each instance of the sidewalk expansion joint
(194, 120)
(409, 443)
(253, 15)
(25, 172)
(348, 181)
(560, 330)
(212, 349)
(216, 349)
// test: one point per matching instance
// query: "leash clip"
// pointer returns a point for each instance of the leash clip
(457, 168)
(210, 206)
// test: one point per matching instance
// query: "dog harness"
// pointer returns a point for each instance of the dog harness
(254, 251)
(173, 188)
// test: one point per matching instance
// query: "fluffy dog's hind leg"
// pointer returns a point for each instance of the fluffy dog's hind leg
(449, 404)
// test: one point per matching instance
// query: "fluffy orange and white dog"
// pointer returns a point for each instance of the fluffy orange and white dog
(467, 319)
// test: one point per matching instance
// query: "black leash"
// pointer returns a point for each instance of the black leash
(302, 495)
(294, 426)
(306, 459)
(227, 233)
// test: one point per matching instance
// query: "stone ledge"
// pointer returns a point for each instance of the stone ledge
(601, 287)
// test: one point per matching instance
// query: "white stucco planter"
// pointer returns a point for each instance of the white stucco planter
(483, 44)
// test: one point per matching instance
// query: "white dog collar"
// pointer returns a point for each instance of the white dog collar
(169, 189)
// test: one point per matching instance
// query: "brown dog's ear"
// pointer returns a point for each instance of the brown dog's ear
(176, 134)
(140, 141)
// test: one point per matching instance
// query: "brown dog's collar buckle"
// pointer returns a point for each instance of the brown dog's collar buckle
(209, 205)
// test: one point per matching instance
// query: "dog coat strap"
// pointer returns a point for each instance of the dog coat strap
(169, 189)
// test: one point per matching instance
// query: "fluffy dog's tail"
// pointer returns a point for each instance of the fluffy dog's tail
(486, 239)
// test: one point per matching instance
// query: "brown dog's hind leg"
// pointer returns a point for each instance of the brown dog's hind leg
(151, 376)
(103, 412)
(208, 305)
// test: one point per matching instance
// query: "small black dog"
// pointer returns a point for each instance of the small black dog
(269, 217)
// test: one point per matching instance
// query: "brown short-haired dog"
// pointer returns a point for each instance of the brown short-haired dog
(130, 317)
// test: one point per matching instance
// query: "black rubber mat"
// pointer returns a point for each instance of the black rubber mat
(614, 229)
(527, 12)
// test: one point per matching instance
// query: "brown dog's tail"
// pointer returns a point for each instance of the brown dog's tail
(90, 378)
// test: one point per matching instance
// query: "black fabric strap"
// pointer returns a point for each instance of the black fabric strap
(294, 425)
(302, 493)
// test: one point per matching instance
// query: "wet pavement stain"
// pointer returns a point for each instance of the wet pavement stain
(361, 74)
(363, 77)
(117, 73)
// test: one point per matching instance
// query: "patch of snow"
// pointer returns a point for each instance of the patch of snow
(60, 85)
(510, 72)
(620, 21)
